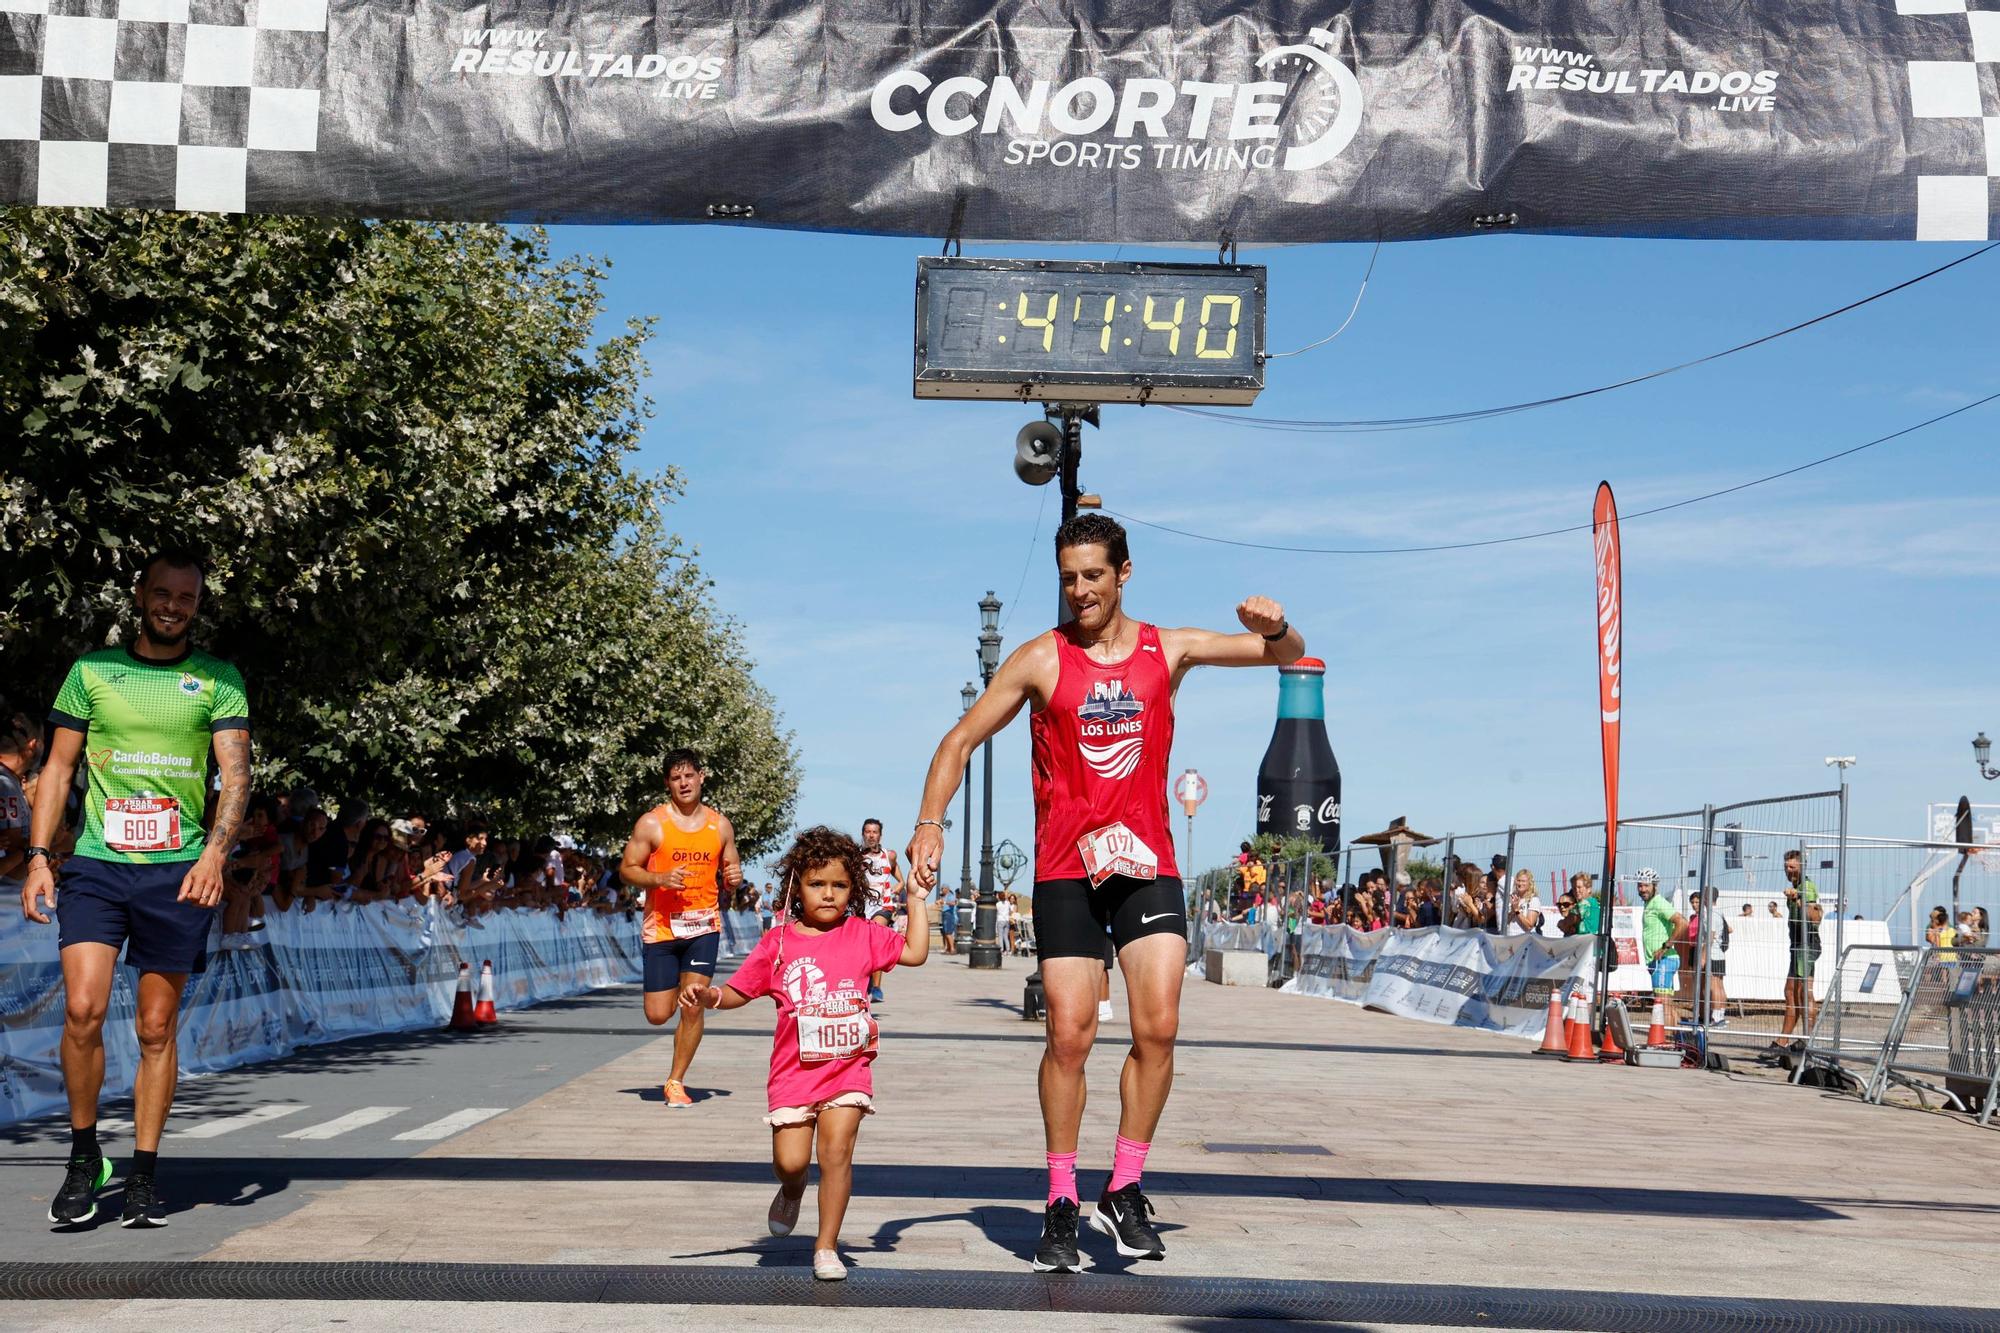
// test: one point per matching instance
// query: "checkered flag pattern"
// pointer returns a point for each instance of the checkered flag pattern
(1956, 105)
(156, 103)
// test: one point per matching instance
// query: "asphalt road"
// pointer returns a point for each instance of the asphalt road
(259, 1142)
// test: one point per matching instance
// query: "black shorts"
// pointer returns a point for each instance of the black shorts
(666, 960)
(1071, 918)
(135, 906)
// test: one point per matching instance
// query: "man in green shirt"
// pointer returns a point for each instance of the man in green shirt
(1802, 918)
(1659, 926)
(146, 875)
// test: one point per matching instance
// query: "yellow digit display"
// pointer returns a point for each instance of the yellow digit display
(1235, 304)
(1170, 327)
(1046, 323)
(1110, 305)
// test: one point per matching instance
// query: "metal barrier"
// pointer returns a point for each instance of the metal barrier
(1866, 1006)
(1950, 1030)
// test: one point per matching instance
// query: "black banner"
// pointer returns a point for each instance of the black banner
(1004, 120)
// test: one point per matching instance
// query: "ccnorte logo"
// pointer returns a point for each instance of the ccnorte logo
(1296, 124)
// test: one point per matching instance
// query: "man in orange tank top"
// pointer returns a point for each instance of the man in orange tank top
(680, 857)
(1101, 689)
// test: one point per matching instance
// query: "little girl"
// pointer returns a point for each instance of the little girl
(815, 965)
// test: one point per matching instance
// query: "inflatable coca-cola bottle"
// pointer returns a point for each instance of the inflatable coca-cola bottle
(1298, 784)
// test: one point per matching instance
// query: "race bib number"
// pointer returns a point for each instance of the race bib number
(824, 1037)
(688, 925)
(1116, 850)
(142, 824)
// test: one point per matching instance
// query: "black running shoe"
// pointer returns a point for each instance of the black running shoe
(73, 1203)
(1121, 1215)
(1057, 1252)
(142, 1209)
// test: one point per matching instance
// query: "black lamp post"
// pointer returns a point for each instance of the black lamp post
(985, 944)
(1982, 751)
(967, 696)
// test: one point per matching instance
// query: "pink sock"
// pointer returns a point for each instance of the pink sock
(1128, 1160)
(1062, 1176)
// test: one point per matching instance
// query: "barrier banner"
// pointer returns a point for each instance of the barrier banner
(339, 971)
(1461, 978)
(1273, 122)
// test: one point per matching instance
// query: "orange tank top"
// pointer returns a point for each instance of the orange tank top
(695, 908)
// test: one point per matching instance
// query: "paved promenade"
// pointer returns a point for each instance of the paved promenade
(1328, 1162)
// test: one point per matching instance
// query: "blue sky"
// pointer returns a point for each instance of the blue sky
(851, 529)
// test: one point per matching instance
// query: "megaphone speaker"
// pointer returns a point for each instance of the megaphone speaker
(1037, 447)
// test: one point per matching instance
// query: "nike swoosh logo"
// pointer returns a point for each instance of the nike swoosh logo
(1157, 916)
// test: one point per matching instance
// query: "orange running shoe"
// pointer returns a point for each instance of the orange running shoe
(677, 1095)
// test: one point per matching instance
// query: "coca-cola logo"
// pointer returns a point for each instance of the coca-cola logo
(1329, 811)
(1263, 809)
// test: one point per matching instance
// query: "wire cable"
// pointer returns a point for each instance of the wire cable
(1356, 308)
(1380, 424)
(1555, 532)
(1027, 563)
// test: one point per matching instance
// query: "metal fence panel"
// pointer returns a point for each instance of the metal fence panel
(1864, 1009)
(1950, 1030)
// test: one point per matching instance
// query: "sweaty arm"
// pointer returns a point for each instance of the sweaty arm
(645, 840)
(732, 864)
(1189, 648)
(1027, 676)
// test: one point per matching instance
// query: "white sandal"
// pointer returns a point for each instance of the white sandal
(828, 1266)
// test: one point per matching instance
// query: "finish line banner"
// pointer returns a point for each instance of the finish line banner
(991, 120)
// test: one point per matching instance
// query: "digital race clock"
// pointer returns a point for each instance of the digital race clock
(1048, 330)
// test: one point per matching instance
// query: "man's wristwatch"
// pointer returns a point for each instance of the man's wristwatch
(30, 853)
(1284, 628)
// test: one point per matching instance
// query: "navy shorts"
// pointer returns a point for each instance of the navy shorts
(666, 960)
(133, 905)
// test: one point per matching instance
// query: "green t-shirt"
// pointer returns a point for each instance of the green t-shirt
(1656, 925)
(1586, 915)
(146, 743)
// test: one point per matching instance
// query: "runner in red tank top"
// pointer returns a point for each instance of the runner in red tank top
(1101, 689)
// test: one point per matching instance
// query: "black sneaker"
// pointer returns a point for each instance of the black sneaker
(73, 1202)
(1057, 1252)
(1121, 1215)
(142, 1209)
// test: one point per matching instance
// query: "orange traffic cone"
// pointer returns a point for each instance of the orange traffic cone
(484, 1012)
(1555, 1041)
(462, 1019)
(1580, 1047)
(1656, 1035)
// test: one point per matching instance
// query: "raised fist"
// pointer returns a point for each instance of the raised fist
(1261, 615)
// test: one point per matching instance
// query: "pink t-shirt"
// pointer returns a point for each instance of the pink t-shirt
(826, 1038)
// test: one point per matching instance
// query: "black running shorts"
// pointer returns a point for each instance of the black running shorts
(1071, 918)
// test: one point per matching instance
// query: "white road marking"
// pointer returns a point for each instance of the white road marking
(209, 1129)
(333, 1129)
(111, 1127)
(453, 1123)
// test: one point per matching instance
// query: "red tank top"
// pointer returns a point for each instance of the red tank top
(1101, 750)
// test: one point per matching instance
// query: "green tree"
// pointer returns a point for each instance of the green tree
(407, 454)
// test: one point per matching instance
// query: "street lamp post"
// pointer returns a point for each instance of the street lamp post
(967, 696)
(1982, 751)
(985, 944)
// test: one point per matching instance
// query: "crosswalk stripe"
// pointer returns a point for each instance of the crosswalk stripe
(109, 1127)
(209, 1129)
(334, 1128)
(453, 1123)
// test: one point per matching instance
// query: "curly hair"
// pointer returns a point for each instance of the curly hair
(815, 847)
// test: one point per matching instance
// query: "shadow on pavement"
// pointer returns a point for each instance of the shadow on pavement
(236, 1182)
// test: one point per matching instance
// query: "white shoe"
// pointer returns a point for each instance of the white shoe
(1104, 1011)
(784, 1214)
(828, 1266)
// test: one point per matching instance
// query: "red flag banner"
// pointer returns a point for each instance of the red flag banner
(1610, 627)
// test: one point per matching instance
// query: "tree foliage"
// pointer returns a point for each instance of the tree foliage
(408, 459)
